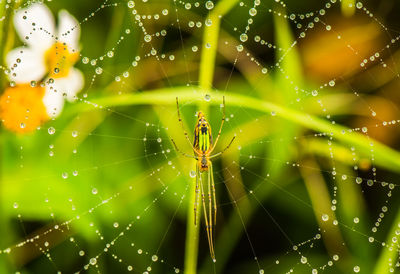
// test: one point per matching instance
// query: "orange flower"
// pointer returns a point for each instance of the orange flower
(22, 109)
(42, 72)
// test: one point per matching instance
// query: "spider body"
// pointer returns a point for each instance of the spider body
(202, 147)
(202, 142)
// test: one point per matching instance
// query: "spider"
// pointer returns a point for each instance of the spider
(202, 147)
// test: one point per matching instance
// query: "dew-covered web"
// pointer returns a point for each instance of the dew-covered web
(102, 189)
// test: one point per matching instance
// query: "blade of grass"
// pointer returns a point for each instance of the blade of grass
(383, 154)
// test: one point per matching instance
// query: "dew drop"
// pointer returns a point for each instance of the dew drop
(131, 4)
(209, 5)
(93, 261)
(253, 12)
(243, 37)
(207, 97)
(99, 70)
(192, 174)
(154, 258)
(325, 217)
(147, 38)
(51, 130)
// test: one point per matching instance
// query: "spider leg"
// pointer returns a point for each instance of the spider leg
(225, 149)
(209, 231)
(196, 201)
(214, 196)
(183, 153)
(222, 123)
(181, 122)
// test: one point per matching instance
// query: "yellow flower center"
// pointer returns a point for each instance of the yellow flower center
(59, 60)
(22, 109)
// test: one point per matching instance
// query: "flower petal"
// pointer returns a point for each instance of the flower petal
(70, 85)
(68, 30)
(26, 65)
(35, 26)
(53, 101)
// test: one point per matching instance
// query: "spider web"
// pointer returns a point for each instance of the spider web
(101, 188)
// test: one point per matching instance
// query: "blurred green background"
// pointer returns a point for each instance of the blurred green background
(297, 189)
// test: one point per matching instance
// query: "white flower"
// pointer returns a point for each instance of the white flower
(49, 55)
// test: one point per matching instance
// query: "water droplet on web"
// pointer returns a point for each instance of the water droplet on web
(364, 129)
(51, 130)
(253, 12)
(356, 269)
(33, 84)
(243, 37)
(94, 191)
(140, 251)
(85, 60)
(110, 54)
(154, 258)
(195, 48)
(116, 224)
(209, 5)
(358, 180)
(131, 4)
(332, 83)
(15, 205)
(159, 140)
(356, 220)
(64, 175)
(192, 174)
(261, 271)
(93, 261)
(303, 260)
(74, 133)
(75, 173)
(22, 125)
(371, 239)
(208, 22)
(81, 253)
(264, 70)
(325, 217)
(314, 93)
(147, 38)
(56, 70)
(99, 70)
(164, 12)
(207, 97)
(130, 268)
(335, 257)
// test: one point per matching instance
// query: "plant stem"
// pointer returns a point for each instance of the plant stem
(206, 75)
(384, 155)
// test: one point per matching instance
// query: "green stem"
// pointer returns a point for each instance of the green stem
(207, 65)
(383, 154)
(210, 46)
